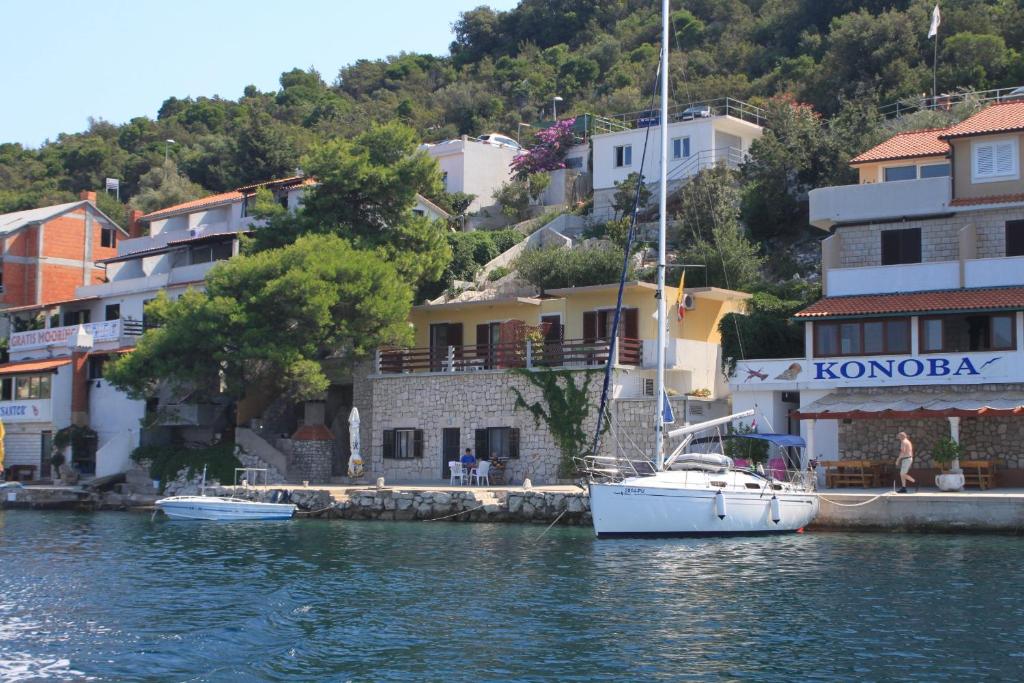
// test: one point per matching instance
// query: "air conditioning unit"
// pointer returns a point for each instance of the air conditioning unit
(196, 232)
(688, 302)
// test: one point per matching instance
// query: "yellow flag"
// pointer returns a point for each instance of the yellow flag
(680, 307)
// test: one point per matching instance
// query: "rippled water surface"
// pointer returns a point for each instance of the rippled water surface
(115, 596)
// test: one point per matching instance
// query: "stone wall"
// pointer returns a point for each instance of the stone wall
(862, 244)
(311, 461)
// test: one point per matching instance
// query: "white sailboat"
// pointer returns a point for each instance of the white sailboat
(221, 508)
(689, 494)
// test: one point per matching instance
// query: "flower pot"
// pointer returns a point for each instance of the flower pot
(952, 481)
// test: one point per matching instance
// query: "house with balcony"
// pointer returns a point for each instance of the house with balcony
(921, 327)
(456, 387)
(700, 136)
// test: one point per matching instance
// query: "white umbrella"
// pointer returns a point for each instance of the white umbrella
(355, 460)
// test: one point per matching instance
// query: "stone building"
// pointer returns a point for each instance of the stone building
(921, 328)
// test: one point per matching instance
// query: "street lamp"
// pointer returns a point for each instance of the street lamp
(167, 142)
(554, 107)
(519, 129)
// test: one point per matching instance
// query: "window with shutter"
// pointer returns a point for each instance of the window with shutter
(994, 161)
(389, 443)
(417, 443)
(480, 442)
(513, 442)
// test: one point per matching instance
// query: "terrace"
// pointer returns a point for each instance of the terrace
(567, 353)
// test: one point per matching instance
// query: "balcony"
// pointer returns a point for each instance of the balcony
(907, 277)
(879, 201)
(569, 353)
(994, 272)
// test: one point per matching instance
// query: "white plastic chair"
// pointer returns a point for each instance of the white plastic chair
(481, 473)
(457, 472)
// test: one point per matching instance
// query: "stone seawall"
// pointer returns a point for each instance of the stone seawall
(481, 505)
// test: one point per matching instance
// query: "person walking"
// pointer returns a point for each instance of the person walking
(904, 460)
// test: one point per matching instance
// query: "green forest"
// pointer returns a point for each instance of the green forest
(504, 68)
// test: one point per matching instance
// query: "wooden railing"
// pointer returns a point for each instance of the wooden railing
(549, 354)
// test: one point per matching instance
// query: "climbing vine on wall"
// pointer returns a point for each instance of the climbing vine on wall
(563, 408)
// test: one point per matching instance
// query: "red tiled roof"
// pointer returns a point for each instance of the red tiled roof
(999, 118)
(227, 197)
(991, 298)
(49, 304)
(33, 366)
(994, 199)
(909, 145)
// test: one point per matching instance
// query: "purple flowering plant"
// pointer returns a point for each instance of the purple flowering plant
(549, 153)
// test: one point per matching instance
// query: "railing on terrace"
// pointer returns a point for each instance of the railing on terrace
(690, 166)
(550, 354)
(130, 327)
(945, 102)
(723, 106)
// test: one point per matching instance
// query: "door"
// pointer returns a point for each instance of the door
(553, 333)
(449, 449)
(45, 453)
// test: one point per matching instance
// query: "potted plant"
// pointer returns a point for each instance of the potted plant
(947, 454)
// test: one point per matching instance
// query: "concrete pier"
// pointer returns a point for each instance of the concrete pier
(1001, 510)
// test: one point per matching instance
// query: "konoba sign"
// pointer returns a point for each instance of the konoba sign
(109, 330)
(873, 371)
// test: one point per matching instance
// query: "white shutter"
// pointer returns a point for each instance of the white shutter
(984, 161)
(1004, 158)
(22, 449)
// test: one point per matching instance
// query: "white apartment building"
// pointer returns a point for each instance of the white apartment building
(474, 167)
(921, 327)
(700, 136)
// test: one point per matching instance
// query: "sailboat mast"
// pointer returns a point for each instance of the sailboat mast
(659, 390)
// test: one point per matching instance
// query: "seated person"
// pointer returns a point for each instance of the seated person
(468, 460)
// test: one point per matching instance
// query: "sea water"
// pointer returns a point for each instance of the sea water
(121, 597)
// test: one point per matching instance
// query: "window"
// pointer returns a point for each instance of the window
(444, 181)
(994, 161)
(900, 173)
(574, 162)
(112, 312)
(623, 156)
(403, 444)
(7, 390)
(1015, 238)
(971, 332)
(680, 148)
(221, 251)
(901, 246)
(497, 443)
(27, 388)
(419, 212)
(862, 338)
(935, 170)
(96, 364)
(108, 237)
(76, 317)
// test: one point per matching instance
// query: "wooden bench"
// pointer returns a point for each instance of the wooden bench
(980, 473)
(839, 473)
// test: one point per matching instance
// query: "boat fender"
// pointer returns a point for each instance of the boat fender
(776, 510)
(720, 505)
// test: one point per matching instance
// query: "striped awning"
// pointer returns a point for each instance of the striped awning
(865, 406)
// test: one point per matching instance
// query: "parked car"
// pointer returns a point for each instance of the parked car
(499, 140)
(697, 111)
(647, 119)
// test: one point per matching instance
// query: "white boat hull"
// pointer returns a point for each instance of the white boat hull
(668, 504)
(222, 509)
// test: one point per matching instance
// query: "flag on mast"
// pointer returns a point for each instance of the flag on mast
(680, 297)
(933, 30)
(667, 416)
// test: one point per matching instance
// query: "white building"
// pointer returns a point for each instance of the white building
(473, 167)
(921, 328)
(700, 136)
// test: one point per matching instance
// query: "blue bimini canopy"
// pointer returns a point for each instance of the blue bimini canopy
(784, 440)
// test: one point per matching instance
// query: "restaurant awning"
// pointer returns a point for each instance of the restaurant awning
(860, 405)
(44, 365)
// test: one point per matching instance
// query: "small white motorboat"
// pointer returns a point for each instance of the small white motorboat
(221, 508)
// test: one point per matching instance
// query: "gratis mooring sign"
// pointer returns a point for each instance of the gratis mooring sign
(109, 330)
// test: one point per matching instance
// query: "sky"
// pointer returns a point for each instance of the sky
(64, 61)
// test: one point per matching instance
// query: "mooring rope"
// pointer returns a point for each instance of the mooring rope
(854, 505)
(551, 525)
(437, 519)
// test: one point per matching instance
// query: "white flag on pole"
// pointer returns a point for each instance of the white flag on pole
(113, 183)
(933, 30)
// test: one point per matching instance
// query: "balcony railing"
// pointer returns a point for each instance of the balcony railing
(879, 201)
(130, 327)
(551, 354)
